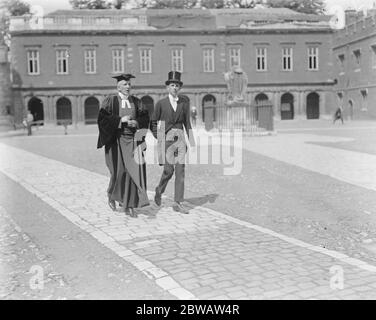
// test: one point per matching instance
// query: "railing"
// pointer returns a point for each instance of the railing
(78, 23)
(252, 118)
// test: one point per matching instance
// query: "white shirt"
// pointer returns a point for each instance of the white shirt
(173, 101)
(124, 101)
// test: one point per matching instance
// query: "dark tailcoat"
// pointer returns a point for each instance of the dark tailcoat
(128, 177)
(179, 119)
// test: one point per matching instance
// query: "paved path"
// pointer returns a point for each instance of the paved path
(205, 255)
(299, 149)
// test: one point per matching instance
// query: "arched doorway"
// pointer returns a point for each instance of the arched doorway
(259, 98)
(148, 102)
(35, 106)
(91, 110)
(287, 106)
(208, 103)
(63, 111)
(313, 106)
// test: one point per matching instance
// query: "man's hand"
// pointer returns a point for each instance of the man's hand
(125, 119)
(132, 123)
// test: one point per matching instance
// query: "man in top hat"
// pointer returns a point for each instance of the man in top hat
(123, 122)
(170, 116)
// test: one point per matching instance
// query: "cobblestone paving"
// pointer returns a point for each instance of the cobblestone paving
(17, 250)
(205, 255)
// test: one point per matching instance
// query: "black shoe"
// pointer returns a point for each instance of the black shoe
(112, 204)
(158, 198)
(178, 207)
(130, 212)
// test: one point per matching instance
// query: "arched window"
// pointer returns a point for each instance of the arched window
(91, 110)
(63, 111)
(208, 101)
(287, 106)
(313, 106)
(149, 103)
(35, 106)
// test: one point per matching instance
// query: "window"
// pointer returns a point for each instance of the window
(357, 57)
(364, 94)
(118, 60)
(234, 57)
(287, 59)
(90, 61)
(313, 58)
(261, 59)
(208, 59)
(33, 62)
(145, 60)
(341, 59)
(373, 52)
(177, 60)
(62, 57)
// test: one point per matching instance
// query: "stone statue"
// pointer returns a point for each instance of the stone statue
(237, 82)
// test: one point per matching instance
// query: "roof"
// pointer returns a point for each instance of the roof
(185, 19)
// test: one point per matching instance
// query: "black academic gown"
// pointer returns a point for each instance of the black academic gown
(124, 148)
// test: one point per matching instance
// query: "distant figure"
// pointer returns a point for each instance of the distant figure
(194, 116)
(338, 114)
(29, 122)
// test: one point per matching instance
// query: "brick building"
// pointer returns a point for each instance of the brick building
(63, 62)
(354, 51)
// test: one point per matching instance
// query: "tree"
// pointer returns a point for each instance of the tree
(173, 4)
(303, 6)
(8, 9)
(15, 7)
(91, 4)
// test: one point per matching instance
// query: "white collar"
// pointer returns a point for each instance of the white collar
(172, 98)
(123, 96)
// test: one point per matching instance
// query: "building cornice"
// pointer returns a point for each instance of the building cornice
(33, 33)
(186, 87)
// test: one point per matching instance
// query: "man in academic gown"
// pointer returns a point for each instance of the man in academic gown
(170, 116)
(123, 122)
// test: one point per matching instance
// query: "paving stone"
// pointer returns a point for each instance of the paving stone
(206, 252)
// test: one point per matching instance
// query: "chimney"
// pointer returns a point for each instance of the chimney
(351, 16)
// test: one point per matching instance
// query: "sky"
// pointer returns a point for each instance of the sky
(51, 5)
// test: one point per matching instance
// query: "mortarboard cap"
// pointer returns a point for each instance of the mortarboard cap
(125, 77)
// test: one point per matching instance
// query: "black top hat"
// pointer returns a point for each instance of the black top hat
(174, 76)
(125, 77)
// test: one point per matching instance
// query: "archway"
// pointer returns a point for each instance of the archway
(287, 106)
(63, 111)
(313, 106)
(91, 110)
(35, 106)
(208, 104)
(259, 98)
(148, 102)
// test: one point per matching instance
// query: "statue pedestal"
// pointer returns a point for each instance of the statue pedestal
(238, 113)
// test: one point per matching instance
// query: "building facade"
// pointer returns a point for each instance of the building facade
(354, 53)
(63, 62)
